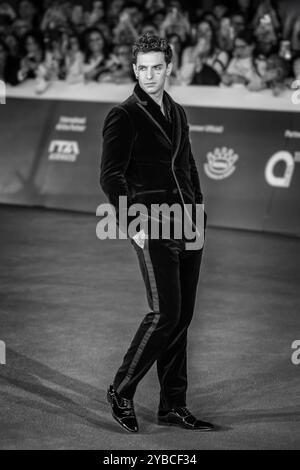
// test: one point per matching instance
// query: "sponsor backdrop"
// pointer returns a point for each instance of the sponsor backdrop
(249, 161)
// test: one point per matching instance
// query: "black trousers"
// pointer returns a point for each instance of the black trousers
(171, 274)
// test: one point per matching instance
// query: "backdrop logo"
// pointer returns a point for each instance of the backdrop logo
(71, 124)
(64, 151)
(221, 163)
(296, 94)
(2, 92)
(2, 353)
(296, 354)
(284, 180)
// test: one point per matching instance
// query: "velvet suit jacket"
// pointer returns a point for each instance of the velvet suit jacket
(146, 158)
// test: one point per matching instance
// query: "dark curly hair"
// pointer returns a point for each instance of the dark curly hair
(150, 43)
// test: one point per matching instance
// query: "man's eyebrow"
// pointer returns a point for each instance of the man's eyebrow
(156, 65)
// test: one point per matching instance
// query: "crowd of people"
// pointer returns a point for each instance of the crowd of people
(254, 43)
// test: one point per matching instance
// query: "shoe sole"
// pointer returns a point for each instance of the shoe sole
(116, 418)
(183, 426)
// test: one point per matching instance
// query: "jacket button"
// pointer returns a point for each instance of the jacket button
(175, 191)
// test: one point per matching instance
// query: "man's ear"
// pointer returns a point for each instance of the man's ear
(169, 69)
(135, 69)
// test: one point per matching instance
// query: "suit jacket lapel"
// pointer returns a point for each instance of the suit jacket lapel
(176, 126)
(152, 111)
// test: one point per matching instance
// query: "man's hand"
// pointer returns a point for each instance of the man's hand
(140, 238)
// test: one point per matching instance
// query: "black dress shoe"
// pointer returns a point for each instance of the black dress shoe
(122, 410)
(183, 417)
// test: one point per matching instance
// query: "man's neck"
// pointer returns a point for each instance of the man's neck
(157, 97)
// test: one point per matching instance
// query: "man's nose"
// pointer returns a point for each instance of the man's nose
(149, 73)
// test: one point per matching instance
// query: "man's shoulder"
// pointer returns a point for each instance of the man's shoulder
(127, 105)
(121, 114)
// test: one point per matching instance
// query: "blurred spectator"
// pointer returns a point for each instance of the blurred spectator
(55, 18)
(238, 22)
(158, 18)
(128, 28)
(34, 56)
(151, 29)
(211, 18)
(95, 55)
(96, 18)
(204, 63)
(74, 62)
(53, 67)
(266, 15)
(241, 69)
(21, 28)
(77, 19)
(175, 22)
(265, 31)
(97, 14)
(13, 45)
(220, 10)
(177, 48)
(296, 68)
(226, 35)
(295, 37)
(119, 66)
(246, 8)
(28, 12)
(7, 10)
(113, 12)
(9, 66)
(275, 76)
(5, 25)
(153, 6)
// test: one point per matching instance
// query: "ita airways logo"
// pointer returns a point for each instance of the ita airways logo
(64, 151)
(286, 161)
(221, 163)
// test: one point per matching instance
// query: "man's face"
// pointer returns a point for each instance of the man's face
(152, 70)
(242, 50)
(96, 42)
(238, 22)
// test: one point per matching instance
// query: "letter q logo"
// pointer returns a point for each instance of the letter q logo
(283, 181)
(296, 94)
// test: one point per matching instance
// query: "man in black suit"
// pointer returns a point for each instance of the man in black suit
(147, 158)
